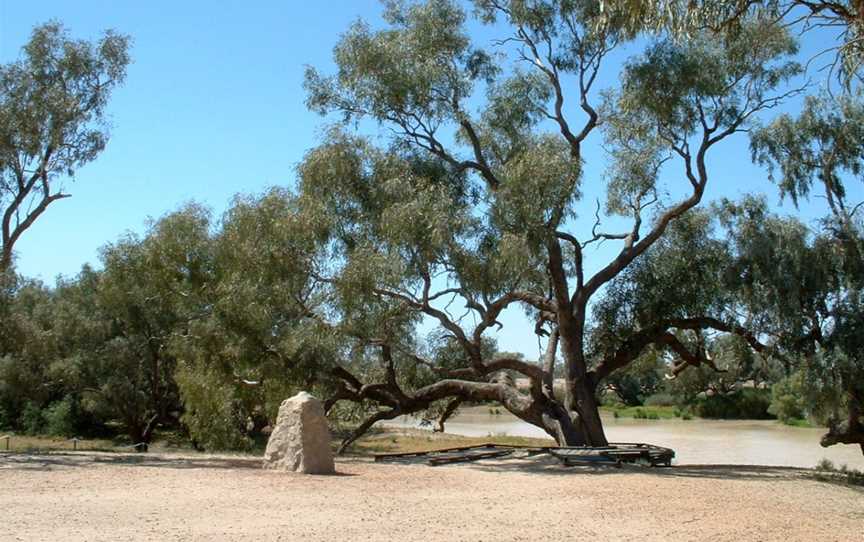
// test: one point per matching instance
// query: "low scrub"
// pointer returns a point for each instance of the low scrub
(827, 472)
(642, 412)
(745, 404)
(660, 399)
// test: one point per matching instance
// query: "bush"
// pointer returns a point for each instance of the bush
(60, 418)
(212, 412)
(825, 464)
(827, 472)
(749, 403)
(787, 400)
(31, 420)
(660, 399)
(5, 422)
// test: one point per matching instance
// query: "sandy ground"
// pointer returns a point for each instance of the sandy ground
(128, 497)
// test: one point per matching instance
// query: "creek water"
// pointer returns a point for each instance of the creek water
(718, 442)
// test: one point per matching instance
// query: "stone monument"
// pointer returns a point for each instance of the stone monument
(300, 441)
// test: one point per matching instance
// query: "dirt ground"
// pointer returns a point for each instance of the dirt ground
(172, 497)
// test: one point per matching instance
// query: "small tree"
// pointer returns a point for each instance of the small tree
(52, 105)
(252, 342)
(149, 292)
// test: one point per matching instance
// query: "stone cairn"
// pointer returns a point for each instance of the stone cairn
(300, 441)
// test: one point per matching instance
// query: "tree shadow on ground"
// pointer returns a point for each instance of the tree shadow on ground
(550, 466)
(47, 462)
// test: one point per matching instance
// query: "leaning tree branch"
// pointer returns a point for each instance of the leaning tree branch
(449, 410)
(659, 334)
(366, 425)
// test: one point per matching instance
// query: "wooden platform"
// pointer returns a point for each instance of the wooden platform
(615, 454)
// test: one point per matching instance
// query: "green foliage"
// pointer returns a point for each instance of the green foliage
(821, 145)
(832, 384)
(639, 380)
(60, 418)
(642, 412)
(31, 420)
(682, 18)
(744, 404)
(677, 278)
(254, 338)
(826, 471)
(788, 399)
(212, 414)
(660, 399)
(677, 88)
(423, 55)
(52, 108)
(467, 207)
(806, 290)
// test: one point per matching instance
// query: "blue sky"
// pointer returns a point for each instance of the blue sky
(213, 106)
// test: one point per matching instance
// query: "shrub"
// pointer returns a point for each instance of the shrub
(31, 420)
(753, 404)
(212, 412)
(660, 399)
(60, 418)
(787, 400)
(5, 422)
(827, 472)
(825, 464)
(748, 403)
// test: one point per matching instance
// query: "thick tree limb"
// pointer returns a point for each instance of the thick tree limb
(659, 334)
(365, 426)
(549, 364)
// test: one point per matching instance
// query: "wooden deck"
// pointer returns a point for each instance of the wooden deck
(615, 454)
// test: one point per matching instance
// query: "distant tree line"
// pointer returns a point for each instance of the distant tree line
(184, 328)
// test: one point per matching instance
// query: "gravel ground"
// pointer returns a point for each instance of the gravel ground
(173, 497)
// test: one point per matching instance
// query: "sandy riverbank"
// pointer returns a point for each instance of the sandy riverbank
(175, 497)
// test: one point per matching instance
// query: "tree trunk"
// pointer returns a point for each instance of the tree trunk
(580, 400)
(588, 412)
(558, 423)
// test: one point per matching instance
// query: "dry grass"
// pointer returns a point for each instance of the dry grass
(415, 440)
(27, 443)
(377, 441)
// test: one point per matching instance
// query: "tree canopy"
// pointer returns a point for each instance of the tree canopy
(52, 120)
(448, 189)
(479, 209)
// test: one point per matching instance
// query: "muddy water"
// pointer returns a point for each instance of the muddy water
(731, 442)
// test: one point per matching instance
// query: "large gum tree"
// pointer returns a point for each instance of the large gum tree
(466, 204)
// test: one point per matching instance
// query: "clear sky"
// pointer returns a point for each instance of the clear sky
(213, 106)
